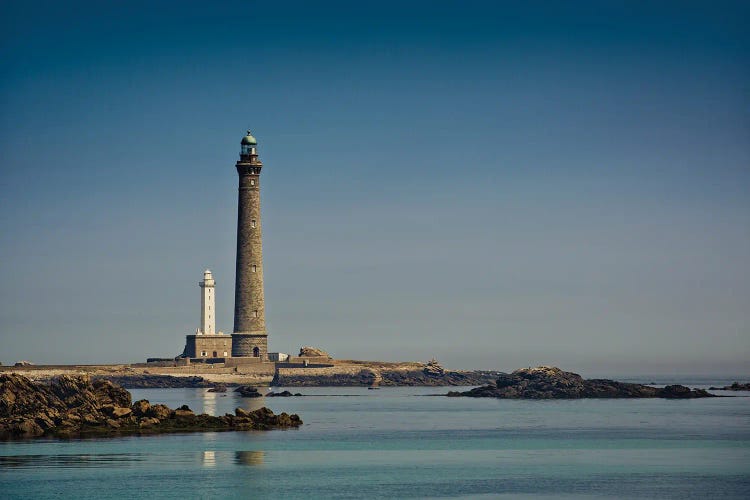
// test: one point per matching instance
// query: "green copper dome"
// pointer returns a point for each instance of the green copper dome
(249, 140)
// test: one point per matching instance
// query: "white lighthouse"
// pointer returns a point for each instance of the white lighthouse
(208, 305)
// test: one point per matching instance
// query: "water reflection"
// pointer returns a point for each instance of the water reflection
(208, 403)
(209, 459)
(70, 461)
(252, 404)
(251, 458)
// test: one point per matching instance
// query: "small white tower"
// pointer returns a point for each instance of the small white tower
(208, 305)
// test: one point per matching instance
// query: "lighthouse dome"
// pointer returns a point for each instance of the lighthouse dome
(249, 140)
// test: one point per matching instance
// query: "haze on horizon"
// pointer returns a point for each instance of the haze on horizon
(493, 184)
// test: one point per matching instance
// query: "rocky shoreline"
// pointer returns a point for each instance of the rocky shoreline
(384, 378)
(148, 381)
(360, 377)
(430, 374)
(546, 382)
(321, 371)
(76, 406)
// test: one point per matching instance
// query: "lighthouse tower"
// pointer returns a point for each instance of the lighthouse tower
(208, 304)
(207, 343)
(249, 337)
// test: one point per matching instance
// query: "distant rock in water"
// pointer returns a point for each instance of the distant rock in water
(248, 391)
(736, 386)
(310, 352)
(282, 394)
(546, 382)
(74, 406)
(218, 388)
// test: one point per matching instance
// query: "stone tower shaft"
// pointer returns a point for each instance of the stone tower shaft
(249, 337)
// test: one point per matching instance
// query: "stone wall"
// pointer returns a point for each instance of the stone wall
(310, 359)
(243, 361)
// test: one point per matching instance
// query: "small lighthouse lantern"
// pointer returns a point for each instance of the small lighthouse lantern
(248, 145)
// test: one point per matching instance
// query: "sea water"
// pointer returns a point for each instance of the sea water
(404, 442)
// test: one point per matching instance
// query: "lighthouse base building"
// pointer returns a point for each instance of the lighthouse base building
(206, 343)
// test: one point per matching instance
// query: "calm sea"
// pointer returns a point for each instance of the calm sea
(401, 442)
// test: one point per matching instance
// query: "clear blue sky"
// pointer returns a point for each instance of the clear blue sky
(496, 184)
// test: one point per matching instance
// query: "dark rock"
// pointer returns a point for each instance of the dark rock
(283, 394)
(107, 392)
(547, 382)
(75, 406)
(681, 392)
(162, 412)
(247, 391)
(141, 408)
(736, 386)
(218, 388)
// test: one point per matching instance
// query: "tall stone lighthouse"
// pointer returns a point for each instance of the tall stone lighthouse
(249, 337)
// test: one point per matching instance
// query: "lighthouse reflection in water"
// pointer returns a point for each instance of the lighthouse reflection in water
(211, 458)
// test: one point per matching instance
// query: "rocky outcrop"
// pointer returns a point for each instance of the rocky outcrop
(433, 378)
(433, 368)
(545, 382)
(76, 406)
(362, 377)
(282, 394)
(248, 391)
(218, 388)
(368, 377)
(313, 352)
(736, 386)
(147, 381)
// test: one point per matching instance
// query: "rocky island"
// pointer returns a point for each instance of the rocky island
(736, 386)
(549, 382)
(312, 368)
(76, 406)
